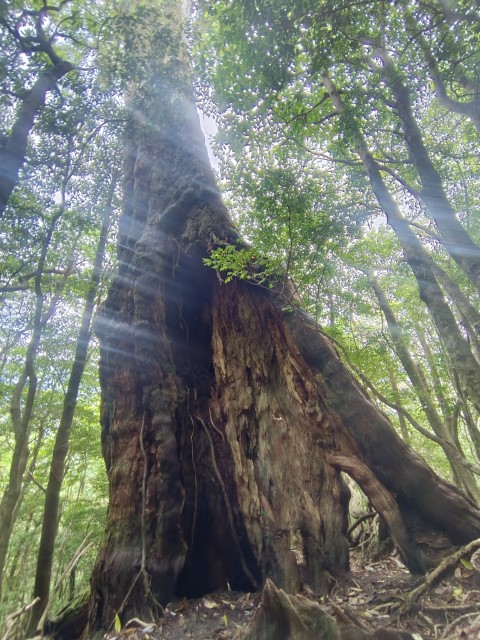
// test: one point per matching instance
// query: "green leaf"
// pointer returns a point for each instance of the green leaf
(118, 624)
(467, 564)
(457, 592)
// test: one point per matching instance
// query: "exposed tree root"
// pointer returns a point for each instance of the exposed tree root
(436, 575)
(358, 522)
(457, 629)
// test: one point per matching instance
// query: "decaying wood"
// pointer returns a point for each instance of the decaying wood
(249, 416)
(70, 621)
(295, 617)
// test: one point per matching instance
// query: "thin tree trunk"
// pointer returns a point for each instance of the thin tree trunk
(31, 468)
(465, 307)
(420, 263)
(60, 451)
(435, 376)
(417, 378)
(13, 152)
(469, 315)
(397, 400)
(455, 239)
(21, 419)
(469, 109)
(466, 480)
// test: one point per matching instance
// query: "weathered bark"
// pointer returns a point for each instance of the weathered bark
(13, 151)
(280, 615)
(202, 410)
(226, 421)
(226, 418)
(60, 450)
(294, 617)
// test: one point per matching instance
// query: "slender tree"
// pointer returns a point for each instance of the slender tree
(21, 415)
(29, 35)
(57, 465)
(457, 460)
(416, 257)
(454, 237)
(469, 105)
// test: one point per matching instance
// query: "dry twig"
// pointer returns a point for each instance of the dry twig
(436, 575)
(13, 628)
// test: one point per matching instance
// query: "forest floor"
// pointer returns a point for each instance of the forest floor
(371, 595)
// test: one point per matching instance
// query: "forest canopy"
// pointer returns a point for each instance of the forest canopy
(344, 139)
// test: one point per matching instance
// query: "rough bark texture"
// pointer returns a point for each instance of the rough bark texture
(226, 420)
(293, 617)
(280, 615)
(211, 481)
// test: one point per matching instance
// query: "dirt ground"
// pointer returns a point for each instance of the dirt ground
(371, 595)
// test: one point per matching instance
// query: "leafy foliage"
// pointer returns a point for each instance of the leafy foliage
(292, 176)
(243, 264)
(280, 128)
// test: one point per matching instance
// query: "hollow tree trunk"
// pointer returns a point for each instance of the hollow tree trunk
(227, 420)
(197, 417)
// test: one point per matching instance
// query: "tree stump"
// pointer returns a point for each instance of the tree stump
(293, 617)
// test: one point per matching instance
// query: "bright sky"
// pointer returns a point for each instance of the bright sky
(209, 128)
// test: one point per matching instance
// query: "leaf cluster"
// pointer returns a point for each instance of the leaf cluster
(243, 264)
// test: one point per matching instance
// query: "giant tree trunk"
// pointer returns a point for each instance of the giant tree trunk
(227, 419)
